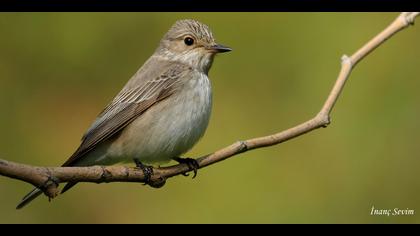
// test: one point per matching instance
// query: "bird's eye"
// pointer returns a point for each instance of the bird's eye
(188, 41)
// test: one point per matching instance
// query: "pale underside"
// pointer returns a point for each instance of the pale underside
(153, 120)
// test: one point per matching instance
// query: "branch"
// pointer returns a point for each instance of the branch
(48, 178)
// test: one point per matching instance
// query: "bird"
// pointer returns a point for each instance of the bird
(160, 113)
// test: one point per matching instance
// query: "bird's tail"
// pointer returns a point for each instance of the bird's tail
(29, 197)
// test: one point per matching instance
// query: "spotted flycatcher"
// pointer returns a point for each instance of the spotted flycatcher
(161, 112)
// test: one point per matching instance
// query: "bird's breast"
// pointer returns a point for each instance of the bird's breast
(171, 127)
(192, 107)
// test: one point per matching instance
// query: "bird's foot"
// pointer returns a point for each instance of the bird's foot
(147, 171)
(193, 165)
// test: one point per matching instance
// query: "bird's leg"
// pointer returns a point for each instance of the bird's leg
(147, 170)
(192, 164)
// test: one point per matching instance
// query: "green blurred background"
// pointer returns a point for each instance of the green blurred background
(58, 70)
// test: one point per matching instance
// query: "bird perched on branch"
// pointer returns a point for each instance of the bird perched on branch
(161, 112)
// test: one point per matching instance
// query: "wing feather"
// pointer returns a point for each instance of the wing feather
(129, 104)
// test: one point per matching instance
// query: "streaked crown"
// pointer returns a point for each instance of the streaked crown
(190, 27)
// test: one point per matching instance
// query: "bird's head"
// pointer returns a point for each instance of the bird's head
(192, 43)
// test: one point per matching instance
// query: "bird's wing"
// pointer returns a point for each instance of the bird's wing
(129, 104)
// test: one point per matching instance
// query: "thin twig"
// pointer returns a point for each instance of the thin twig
(47, 178)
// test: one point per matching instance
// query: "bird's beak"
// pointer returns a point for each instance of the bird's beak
(218, 48)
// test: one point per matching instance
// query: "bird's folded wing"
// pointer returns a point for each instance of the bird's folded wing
(127, 106)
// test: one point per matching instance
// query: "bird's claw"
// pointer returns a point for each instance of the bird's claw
(192, 164)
